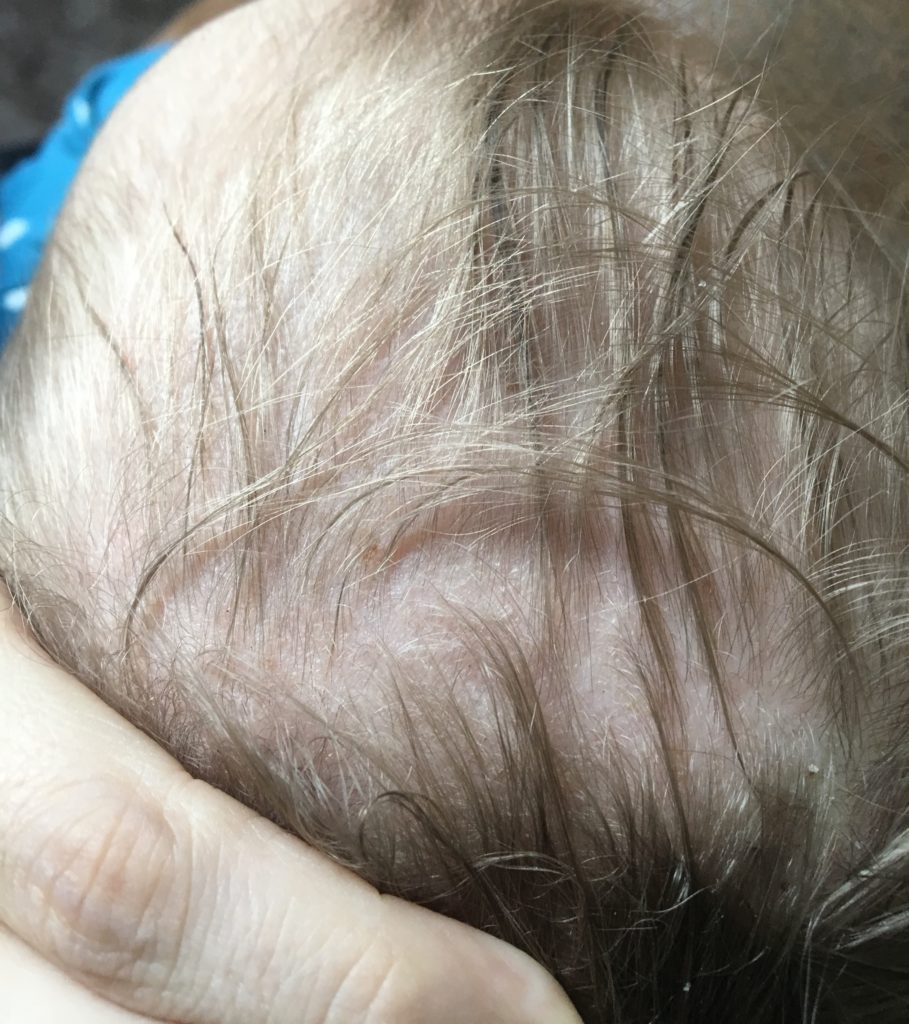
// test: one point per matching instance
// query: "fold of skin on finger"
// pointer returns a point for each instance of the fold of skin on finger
(34, 992)
(168, 898)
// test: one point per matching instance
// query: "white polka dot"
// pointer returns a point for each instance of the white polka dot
(14, 301)
(82, 111)
(10, 232)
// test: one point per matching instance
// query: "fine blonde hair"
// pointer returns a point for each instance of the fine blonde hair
(513, 506)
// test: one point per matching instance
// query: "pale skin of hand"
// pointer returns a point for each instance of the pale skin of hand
(131, 892)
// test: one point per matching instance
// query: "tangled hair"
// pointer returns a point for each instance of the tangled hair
(499, 479)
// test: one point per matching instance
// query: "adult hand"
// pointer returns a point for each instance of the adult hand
(165, 897)
(32, 991)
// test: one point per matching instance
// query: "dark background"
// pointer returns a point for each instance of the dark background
(47, 45)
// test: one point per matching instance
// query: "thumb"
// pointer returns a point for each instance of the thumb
(170, 899)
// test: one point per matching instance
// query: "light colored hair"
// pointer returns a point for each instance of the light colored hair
(514, 507)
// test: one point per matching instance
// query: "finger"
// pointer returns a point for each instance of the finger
(174, 901)
(34, 992)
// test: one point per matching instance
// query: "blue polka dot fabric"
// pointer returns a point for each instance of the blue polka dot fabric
(33, 192)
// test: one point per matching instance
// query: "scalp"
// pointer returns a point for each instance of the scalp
(496, 475)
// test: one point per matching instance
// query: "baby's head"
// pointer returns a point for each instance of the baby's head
(467, 433)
